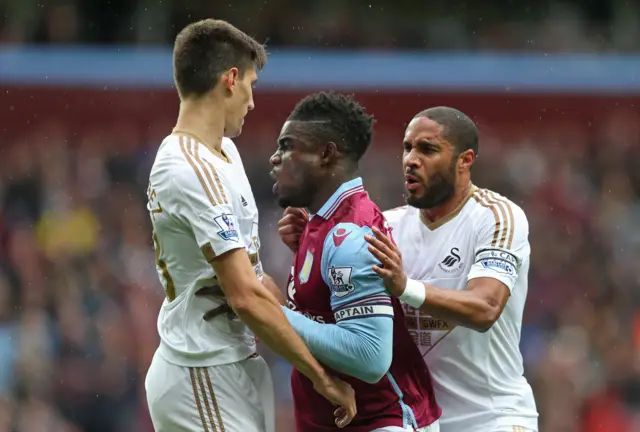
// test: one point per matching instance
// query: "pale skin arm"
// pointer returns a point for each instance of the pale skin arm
(477, 307)
(259, 309)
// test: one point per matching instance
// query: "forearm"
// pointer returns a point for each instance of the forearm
(362, 351)
(271, 285)
(264, 316)
(463, 308)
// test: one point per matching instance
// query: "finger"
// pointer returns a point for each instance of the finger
(351, 412)
(297, 213)
(290, 229)
(383, 238)
(384, 259)
(294, 227)
(344, 419)
(339, 412)
(383, 273)
(382, 248)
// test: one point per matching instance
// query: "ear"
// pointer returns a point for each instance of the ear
(466, 159)
(229, 79)
(329, 153)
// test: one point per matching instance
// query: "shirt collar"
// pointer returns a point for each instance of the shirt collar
(343, 192)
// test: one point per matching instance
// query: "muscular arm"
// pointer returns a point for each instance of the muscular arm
(360, 344)
(273, 288)
(498, 263)
(477, 307)
(260, 311)
(201, 207)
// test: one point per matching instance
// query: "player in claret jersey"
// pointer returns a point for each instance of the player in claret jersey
(339, 306)
(465, 251)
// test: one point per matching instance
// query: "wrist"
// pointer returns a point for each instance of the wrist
(414, 294)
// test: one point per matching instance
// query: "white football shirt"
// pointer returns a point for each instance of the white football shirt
(201, 206)
(478, 377)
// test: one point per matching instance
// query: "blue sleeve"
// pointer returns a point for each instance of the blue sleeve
(360, 344)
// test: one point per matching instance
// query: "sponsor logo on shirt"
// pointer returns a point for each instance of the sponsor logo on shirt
(452, 262)
(227, 227)
(340, 281)
(339, 235)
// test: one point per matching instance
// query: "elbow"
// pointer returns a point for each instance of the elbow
(376, 368)
(244, 304)
(487, 318)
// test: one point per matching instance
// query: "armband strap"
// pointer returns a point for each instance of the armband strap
(414, 294)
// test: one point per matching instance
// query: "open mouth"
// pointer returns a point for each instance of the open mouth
(411, 183)
(274, 176)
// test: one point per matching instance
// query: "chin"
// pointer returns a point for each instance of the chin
(284, 202)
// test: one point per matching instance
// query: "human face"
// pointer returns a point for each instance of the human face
(429, 163)
(296, 166)
(241, 100)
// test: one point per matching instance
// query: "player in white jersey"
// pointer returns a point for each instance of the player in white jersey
(462, 262)
(206, 375)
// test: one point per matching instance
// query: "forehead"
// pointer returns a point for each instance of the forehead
(423, 128)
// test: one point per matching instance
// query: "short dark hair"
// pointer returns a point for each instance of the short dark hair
(337, 118)
(205, 49)
(459, 129)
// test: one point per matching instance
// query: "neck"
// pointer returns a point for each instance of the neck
(329, 187)
(204, 119)
(437, 213)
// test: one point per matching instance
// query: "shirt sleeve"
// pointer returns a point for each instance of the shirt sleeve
(360, 344)
(203, 203)
(502, 245)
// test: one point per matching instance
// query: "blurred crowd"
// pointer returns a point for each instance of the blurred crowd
(543, 26)
(79, 293)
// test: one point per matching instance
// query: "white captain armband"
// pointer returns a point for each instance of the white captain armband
(414, 294)
(498, 260)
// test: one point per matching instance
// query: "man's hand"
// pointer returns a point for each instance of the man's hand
(291, 226)
(341, 394)
(391, 271)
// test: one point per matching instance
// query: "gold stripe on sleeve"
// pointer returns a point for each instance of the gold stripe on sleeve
(194, 148)
(508, 236)
(489, 199)
(217, 178)
(498, 225)
(188, 157)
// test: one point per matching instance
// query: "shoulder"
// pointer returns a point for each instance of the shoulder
(364, 213)
(490, 206)
(395, 215)
(499, 215)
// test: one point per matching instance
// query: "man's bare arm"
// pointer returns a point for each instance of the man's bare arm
(478, 307)
(260, 311)
(273, 288)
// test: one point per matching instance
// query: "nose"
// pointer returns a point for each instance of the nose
(252, 105)
(411, 160)
(275, 159)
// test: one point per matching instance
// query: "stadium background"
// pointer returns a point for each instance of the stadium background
(86, 97)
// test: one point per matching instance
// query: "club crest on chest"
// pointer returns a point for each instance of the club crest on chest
(305, 271)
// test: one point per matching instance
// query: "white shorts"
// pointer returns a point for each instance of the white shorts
(433, 427)
(236, 397)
